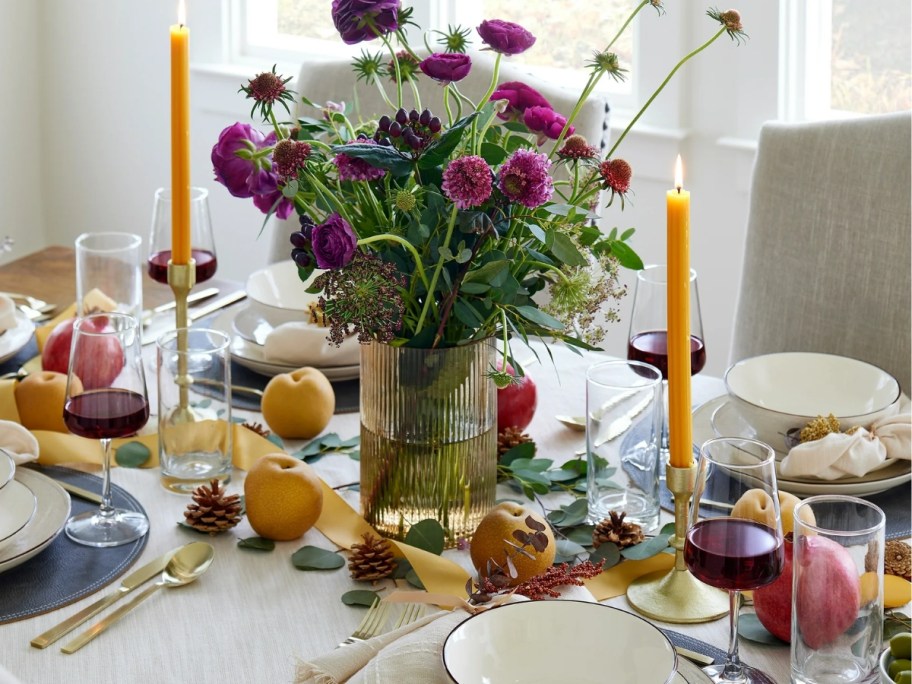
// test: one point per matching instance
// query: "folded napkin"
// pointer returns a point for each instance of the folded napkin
(840, 455)
(409, 654)
(7, 313)
(18, 442)
(301, 343)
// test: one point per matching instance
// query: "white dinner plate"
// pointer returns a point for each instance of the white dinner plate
(896, 473)
(51, 515)
(17, 337)
(7, 468)
(17, 506)
(250, 355)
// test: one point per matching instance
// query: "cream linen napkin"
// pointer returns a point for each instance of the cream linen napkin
(408, 655)
(18, 442)
(301, 343)
(841, 455)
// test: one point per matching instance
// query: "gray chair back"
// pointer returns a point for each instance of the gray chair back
(827, 257)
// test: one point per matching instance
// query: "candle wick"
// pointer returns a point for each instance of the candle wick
(679, 189)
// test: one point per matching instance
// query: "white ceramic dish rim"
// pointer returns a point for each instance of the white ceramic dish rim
(259, 291)
(43, 528)
(857, 486)
(672, 676)
(19, 504)
(15, 338)
(740, 365)
(7, 468)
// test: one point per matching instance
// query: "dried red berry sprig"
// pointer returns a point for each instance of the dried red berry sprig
(545, 585)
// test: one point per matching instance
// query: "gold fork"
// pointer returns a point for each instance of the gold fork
(410, 613)
(371, 625)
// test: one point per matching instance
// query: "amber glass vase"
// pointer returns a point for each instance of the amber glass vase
(428, 437)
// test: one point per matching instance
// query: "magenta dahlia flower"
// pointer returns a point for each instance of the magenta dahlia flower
(361, 20)
(447, 67)
(520, 96)
(355, 169)
(546, 122)
(333, 242)
(505, 36)
(467, 181)
(524, 178)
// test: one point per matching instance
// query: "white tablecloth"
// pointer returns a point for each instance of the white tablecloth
(253, 613)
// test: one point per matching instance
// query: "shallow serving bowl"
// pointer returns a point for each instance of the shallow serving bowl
(279, 293)
(539, 642)
(775, 393)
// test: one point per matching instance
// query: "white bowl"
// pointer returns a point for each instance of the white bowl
(539, 642)
(280, 294)
(885, 659)
(775, 393)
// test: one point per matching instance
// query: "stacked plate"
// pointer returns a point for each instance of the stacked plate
(33, 511)
(16, 337)
(279, 306)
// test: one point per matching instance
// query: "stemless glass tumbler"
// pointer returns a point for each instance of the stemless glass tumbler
(109, 273)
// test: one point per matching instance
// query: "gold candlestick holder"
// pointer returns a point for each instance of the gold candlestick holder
(182, 278)
(676, 595)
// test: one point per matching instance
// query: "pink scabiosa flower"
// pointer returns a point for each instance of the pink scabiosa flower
(446, 67)
(290, 155)
(616, 174)
(577, 147)
(467, 181)
(546, 122)
(505, 37)
(360, 20)
(520, 97)
(524, 178)
(355, 169)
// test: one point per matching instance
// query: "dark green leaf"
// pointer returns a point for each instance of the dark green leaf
(539, 317)
(132, 454)
(256, 544)
(355, 454)
(627, 234)
(537, 464)
(532, 477)
(568, 548)
(581, 534)
(555, 517)
(749, 627)
(437, 152)
(576, 513)
(492, 273)
(646, 549)
(315, 558)
(427, 535)
(378, 156)
(516, 126)
(608, 552)
(538, 232)
(493, 154)
(668, 528)
(526, 450)
(403, 567)
(626, 255)
(561, 475)
(360, 597)
(412, 578)
(562, 248)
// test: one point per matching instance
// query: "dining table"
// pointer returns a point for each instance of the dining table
(253, 615)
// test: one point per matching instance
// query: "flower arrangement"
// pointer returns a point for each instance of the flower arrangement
(438, 229)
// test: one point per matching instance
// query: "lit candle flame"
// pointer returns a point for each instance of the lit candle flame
(181, 12)
(679, 174)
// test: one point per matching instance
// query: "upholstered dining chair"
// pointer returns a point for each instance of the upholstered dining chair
(334, 80)
(827, 257)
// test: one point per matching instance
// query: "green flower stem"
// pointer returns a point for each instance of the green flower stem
(389, 237)
(396, 68)
(329, 197)
(494, 77)
(446, 243)
(383, 94)
(462, 97)
(548, 267)
(403, 41)
(275, 125)
(446, 103)
(319, 144)
(661, 87)
(416, 94)
(484, 129)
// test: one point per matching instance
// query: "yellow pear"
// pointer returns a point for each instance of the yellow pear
(283, 496)
(298, 405)
(756, 504)
(494, 541)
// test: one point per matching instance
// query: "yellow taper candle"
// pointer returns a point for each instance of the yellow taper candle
(680, 428)
(180, 139)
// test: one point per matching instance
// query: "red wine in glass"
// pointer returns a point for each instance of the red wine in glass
(106, 413)
(206, 264)
(652, 347)
(733, 553)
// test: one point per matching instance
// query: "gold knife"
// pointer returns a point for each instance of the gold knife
(133, 580)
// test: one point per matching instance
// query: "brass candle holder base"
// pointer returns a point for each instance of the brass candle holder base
(182, 278)
(677, 596)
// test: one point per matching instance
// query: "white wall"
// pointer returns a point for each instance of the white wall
(104, 136)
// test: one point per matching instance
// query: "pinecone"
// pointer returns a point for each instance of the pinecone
(508, 438)
(212, 510)
(371, 560)
(614, 529)
(898, 559)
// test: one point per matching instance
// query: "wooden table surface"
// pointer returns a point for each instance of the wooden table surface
(50, 274)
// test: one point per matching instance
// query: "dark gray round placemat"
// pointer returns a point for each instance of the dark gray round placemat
(688, 642)
(66, 571)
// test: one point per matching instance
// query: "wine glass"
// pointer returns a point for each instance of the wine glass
(735, 553)
(202, 244)
(105, 398)
(648, 337)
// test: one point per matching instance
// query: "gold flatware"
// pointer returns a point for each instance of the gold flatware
(693, 656)
(33, 302)
(81, 493)
(130, 582)
(191, 298)
(185, 566)
(158, 326)
(371, 625)
(577, 423)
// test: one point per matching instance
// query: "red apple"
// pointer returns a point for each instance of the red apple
(97, 368)
(773, 603)
(516, 402)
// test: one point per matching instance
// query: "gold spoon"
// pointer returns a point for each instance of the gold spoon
(577, 423)
(185, 566)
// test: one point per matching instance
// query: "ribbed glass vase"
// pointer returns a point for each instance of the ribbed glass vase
(428, 437)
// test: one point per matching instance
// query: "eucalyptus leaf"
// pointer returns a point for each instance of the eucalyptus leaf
(561, 475)
(256, 544)
(427, 535)
(569, 548)
(412, 578)
(360, 597)
(315, 558)
(608, 552)
(646, 549)
(668, 528)
(749, 627)
(581, 534)
(403, 566)
(132, 455)
(576, 513)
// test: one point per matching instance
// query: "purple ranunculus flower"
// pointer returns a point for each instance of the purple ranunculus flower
(546, 122)
(446, 66)
(505, 36)
(353, 18)
(520, 96)
(264, 202)
(334, 242)
(241, 176)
